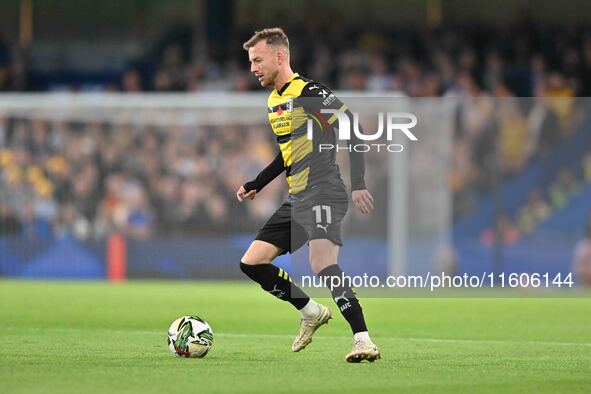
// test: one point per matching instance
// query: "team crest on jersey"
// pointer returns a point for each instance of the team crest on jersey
(285, 107)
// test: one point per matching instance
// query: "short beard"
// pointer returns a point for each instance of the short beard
(271, 80)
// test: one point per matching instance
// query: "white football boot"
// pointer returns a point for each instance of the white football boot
(363, 350)
(309, 326)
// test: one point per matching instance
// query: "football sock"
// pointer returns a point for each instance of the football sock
(344, 297)
(362, 336)
(311, 310)
(276, 281)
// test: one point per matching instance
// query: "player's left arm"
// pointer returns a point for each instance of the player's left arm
(361, 197)
(323, 98)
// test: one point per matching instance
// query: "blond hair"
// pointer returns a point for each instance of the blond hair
(273, 36)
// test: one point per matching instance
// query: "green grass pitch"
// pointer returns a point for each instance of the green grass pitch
(93, 337)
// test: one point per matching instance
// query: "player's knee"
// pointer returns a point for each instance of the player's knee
(315, 266)
(258, 273)
(323, 253)
(250, 258)
(247, 260)
(318, 263)
(259, 253)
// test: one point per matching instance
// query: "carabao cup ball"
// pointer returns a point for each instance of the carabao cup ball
(190, 336)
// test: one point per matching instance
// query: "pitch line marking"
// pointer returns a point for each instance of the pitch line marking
(245, 335)
(414, 339)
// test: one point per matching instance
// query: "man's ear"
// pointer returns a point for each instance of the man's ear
(280, 56)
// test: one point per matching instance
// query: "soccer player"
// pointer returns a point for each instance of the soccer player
(317, 200)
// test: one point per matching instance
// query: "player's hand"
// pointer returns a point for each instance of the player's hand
(242, 194)
(362, 200)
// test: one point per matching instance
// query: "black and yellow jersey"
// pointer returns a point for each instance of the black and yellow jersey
(290, 109)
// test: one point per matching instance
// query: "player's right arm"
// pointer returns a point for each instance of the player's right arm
(272, 171)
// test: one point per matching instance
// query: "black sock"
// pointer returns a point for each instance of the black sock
(344, 297)
(276, 281)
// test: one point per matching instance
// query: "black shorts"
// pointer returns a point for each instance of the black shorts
(304, 218)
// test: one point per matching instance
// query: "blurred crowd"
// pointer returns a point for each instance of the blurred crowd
(523, 60)
(89, 179)
(496, 137)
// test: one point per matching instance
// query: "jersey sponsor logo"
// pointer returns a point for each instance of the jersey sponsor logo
(329, 100)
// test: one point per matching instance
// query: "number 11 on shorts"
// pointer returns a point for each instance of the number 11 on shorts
(318, 209)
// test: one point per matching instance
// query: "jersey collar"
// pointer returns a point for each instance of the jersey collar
(285, 86)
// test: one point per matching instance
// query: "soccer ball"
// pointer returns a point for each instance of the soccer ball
(190, 336)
